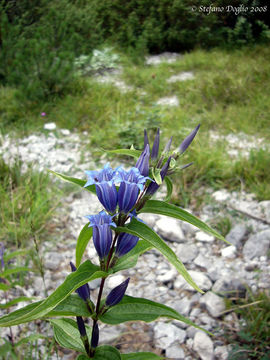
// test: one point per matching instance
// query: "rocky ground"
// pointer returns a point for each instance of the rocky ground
(219, 269)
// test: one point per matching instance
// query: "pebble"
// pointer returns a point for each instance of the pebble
(186, 252)
(166, 334)
(203, 345)
(257, 245)
(229, 252)
(203, 237)
(49, 126)
(214, 303)
(237, 234)
(170, 229)
(168, 101)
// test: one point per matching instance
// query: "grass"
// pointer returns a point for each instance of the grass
(230, 94)
(252, 341)
(27, 204)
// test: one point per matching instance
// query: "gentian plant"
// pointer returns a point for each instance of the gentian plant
(119, 237)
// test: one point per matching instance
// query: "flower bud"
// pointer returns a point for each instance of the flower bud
(84, 290)
(126, 242)
(155, 147)
(116, 295)
(153, 187)
(143, 161)
(81, 326)
(95, 336)
(185, 144)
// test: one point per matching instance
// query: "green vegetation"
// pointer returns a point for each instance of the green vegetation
(25, 207)
(252, 341)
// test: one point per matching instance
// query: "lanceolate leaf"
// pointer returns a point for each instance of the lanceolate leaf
(73, 180)
(66, 333)
(132, 308)
(169, 188)
(85, 273)
(128, 152)
(83, 240)
(73, 305)
(163, 208)
(107, 352)
(130, 259)
(141, 230)
(141, 356)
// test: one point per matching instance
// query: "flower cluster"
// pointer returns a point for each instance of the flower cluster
(122, 193)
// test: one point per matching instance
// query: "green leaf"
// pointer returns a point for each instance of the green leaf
(73, 305)
(163, 208)
(66, 333)
(141, 356)
(141, 230)
(135, 309)
(82, 357)
(128, 152)
(30, 338)
(14, 271)
(156, 176)
(169, 188)
(15, 254)
(4, 287)
(76, 181)
(85, 273)
(15, 301)
(107, 352)
(83, 240)
(130, 259)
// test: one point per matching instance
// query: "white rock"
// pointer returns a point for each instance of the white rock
(236, 234)
(167, 275)
(165, 57)
(186, 252)
(166, 334)
(175, 352)
(170, 229)
(202, 236)
(49, 126)
(221, 195)
(183, 76)
(214, 303)
(257, 245)
(199, 278)
(65, 132)
(229, 252)
(168, 101)
(115, 280)
(202, 261)
(203, 345)
(221, 352)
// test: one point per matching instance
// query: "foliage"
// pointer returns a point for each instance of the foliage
(25, 209)
(124, 194)
(252, 341)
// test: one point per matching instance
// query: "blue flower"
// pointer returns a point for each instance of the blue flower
(143, 162)
(131, 183)
(102, 233)
(155, 148)
(126, 242)
(116, 295)
(187, 141)
(84, 290)
(104, 180)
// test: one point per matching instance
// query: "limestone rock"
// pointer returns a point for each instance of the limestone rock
(170, 229)
(201, 279)
(237, 234)
(257, 245)
(214, 303)
(202, 236)
(166, 334)
(186, 252)
(203, 345)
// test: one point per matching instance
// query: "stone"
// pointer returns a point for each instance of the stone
(167, 275)
(203, 237)
(166, 57)
(186, 252)
(237, 234)
(229, 287)
(175, 352)
(183, 306)
(53, 261)
(166, 334)
(221, 195)
(257, 245)
(170, 229)
(49, 126)
(149, 219)
(188, 228)
(265, 207)
(202, 261)
(229, 252)
(221, 352)
(115, 280)
(203, 345)
(183, 76)
(168, 101)
(201, 279)
(214, 303)
(65, 132)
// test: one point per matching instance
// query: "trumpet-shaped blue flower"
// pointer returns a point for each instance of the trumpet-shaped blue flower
(104, 180)
(116, 295)
(143, 162)
(84, 290)
(131, 183)
(102, 233)
(126, 242)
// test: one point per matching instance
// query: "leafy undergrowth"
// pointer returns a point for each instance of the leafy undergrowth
(253, 339)
(28, 200)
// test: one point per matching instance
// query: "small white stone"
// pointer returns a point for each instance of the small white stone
(221, 195)
(166, 334)
(221, 352)
(115, 281)
(203, 345)
(168, 101)
(214, 303)
(65, 132)
(183, 76)
(50, 126)
(198, 277)
(170, 229)
(229, 252)
(202, 236)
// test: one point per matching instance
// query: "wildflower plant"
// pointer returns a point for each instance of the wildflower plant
(119, 237)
